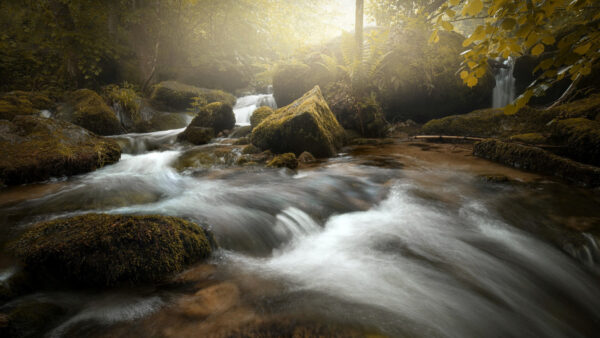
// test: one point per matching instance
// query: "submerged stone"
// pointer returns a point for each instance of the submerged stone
(98, 250)
(305, 125)
(36, 148)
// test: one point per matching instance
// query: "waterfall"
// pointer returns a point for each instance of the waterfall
(504, 92)
(246, 105)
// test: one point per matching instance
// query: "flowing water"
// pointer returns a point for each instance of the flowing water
(504, 92)
(425, 251)
(246, 105)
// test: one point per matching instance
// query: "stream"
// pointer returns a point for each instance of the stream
(418, 250)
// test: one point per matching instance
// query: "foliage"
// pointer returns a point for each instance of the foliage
(564, 35)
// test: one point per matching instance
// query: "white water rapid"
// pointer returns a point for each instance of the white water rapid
(247, 104)
(504, 92)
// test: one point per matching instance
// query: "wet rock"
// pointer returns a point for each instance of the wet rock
(30, 319)
(175, 96)
(250, 149)
(495, 178)
(580, 137)
(538, 160)
(241, 132)
(305, 125)
(36, 148)
(98, 250)
(371, 141)
(23, 103)
(196, 135)
(212, 300)
(306, 158)
(242, 141)
(127, 105)
(218, 115)
(167, 121)
(259, 115)
(207, 157)
(87, 109)
(287, 160)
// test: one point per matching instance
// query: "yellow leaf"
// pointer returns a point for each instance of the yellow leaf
(510, 109)
(480, 72)
(586, 70)
(548, 39)
(583, 48)
(434, 38)
(471, 64)
(537, 50)
(454, 2)
(447, 26)
(464, 75)
(508, 24)
(546, 63)
(532, 39)
(450, 13)
(472, 81)
(472, 8)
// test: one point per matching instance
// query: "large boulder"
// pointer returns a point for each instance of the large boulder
(98, 250)
(86, 108)
(196, 135)
(259, 115)
(305, 125)
(36, 148)
(217, 115)
(126, 103)
(175, 96)
(23, 103)
(362, 115)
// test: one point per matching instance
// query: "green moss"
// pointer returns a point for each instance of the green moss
(529, 138)
(100, 250)
(581, 138)
(196, 135)
(36, 148)
(23, 103)
(287, 160)
(87, 109)
(175, 96)
(128, 102)
(305, 125)
(306, 158)
(259, 115)
(217, 115)
(250, 149)
(538, 160)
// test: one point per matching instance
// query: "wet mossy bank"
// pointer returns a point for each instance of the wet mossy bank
(99, 250)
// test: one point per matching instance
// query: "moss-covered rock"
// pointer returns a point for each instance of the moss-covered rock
(305, 125)
(126, 104)
(35, 149)
(196, 135)
(529, 138)
(98, 250)
(306, 158)
(207, 157)
(87, 109)
(31, 319)
(363, 115)
(250, 149)
(167, 121)
(287, 160)
(175, 96)
(259, 115)
(241, 132)
(242, 141)
(580, 137)
(538, 160)
(23, 103)
(217, 115)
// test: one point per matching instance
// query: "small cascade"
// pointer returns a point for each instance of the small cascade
(246, 105)
(504, 92)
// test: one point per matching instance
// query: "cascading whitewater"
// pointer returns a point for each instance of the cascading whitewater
(504, 92)
(246, 105)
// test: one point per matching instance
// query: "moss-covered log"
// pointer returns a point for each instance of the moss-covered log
(538, 160)
(98, 250)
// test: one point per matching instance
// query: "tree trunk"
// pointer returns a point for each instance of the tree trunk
(358, 26)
